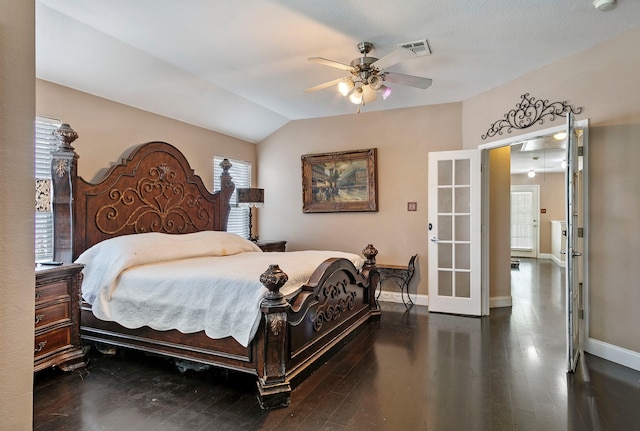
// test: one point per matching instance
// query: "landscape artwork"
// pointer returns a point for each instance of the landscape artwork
(340, 182)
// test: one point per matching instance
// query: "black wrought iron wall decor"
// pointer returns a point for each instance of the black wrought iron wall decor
(528, 112)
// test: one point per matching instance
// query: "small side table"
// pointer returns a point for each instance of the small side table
(57, 318)
(401, 275)
(271, 245)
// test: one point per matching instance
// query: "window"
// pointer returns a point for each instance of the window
(241, 172)
(45, 142)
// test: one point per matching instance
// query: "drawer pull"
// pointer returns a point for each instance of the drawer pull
(39, 318)
(41, 345)
(38, 294)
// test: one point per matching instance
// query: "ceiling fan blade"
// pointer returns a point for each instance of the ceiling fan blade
(331, 63)
(410, 80)
(396, 56)
(324, 85)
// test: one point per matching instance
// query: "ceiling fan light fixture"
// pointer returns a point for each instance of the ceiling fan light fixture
(345, 86)
(384, 91)
(356, 96)
(375, 82)
(368, 75)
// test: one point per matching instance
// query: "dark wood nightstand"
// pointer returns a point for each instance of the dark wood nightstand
(271, 245)
(57, 318)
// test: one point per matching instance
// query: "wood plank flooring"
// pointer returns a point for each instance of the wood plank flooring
(412, 371)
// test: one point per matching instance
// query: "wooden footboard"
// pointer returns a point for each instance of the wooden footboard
(332, 307)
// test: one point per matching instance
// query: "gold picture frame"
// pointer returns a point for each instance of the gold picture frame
(344, 181)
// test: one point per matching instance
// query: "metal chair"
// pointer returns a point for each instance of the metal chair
(401, 275)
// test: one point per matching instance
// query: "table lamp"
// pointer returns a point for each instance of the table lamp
(250, 197)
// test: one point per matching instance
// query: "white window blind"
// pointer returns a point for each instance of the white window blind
(45, 142)
(241, 173)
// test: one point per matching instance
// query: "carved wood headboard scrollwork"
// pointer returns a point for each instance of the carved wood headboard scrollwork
(152, 190)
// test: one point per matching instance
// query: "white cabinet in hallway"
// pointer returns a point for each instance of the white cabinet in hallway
(558, 241)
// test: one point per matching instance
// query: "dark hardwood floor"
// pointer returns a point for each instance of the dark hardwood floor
(412, 371)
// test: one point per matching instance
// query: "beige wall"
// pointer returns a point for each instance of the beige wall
(615, 234)
(551, 199)
(602, 80)
(403, 137)
(499, 225)
(17, 89)
(106, 129)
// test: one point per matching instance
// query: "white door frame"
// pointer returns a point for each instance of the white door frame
(584, 124)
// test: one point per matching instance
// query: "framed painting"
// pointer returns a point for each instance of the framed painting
(345, 181)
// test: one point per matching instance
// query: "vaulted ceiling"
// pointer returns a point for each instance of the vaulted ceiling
(241, 67)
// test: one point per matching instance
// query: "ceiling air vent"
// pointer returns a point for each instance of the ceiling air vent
(419, 47)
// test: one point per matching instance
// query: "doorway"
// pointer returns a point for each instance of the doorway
(497, 182)
(525, 210)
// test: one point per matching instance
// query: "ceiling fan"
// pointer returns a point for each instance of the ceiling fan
(368, 75)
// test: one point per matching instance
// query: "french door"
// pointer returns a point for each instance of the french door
(454, 232)
(575, 178)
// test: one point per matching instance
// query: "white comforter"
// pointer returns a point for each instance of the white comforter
(203, 281)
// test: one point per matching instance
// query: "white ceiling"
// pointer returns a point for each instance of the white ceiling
(240, 67)
(542, 154)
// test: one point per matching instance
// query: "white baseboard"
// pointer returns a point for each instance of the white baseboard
(560, 263)
(500, 301)
(386, 296)
(612, 353)
(396, 297)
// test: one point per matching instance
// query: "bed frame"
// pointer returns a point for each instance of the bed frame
(154, 189)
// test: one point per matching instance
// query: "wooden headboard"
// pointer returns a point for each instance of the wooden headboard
(153, 189)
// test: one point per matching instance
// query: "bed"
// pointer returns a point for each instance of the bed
(154, 194)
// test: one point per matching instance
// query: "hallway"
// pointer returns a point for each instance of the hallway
(412, 371)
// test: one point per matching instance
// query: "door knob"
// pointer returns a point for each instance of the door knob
(434, 239)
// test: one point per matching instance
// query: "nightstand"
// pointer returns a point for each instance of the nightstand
(57, 318)
(271, 245)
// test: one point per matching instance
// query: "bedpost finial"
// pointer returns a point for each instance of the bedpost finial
(225, 165)
(65, 135)
(370, 253)
(273, 279)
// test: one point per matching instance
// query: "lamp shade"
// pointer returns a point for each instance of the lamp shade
(356, 96)
(250, 197)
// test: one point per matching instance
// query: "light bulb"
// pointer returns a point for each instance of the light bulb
(531, 173)
(385, 91)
